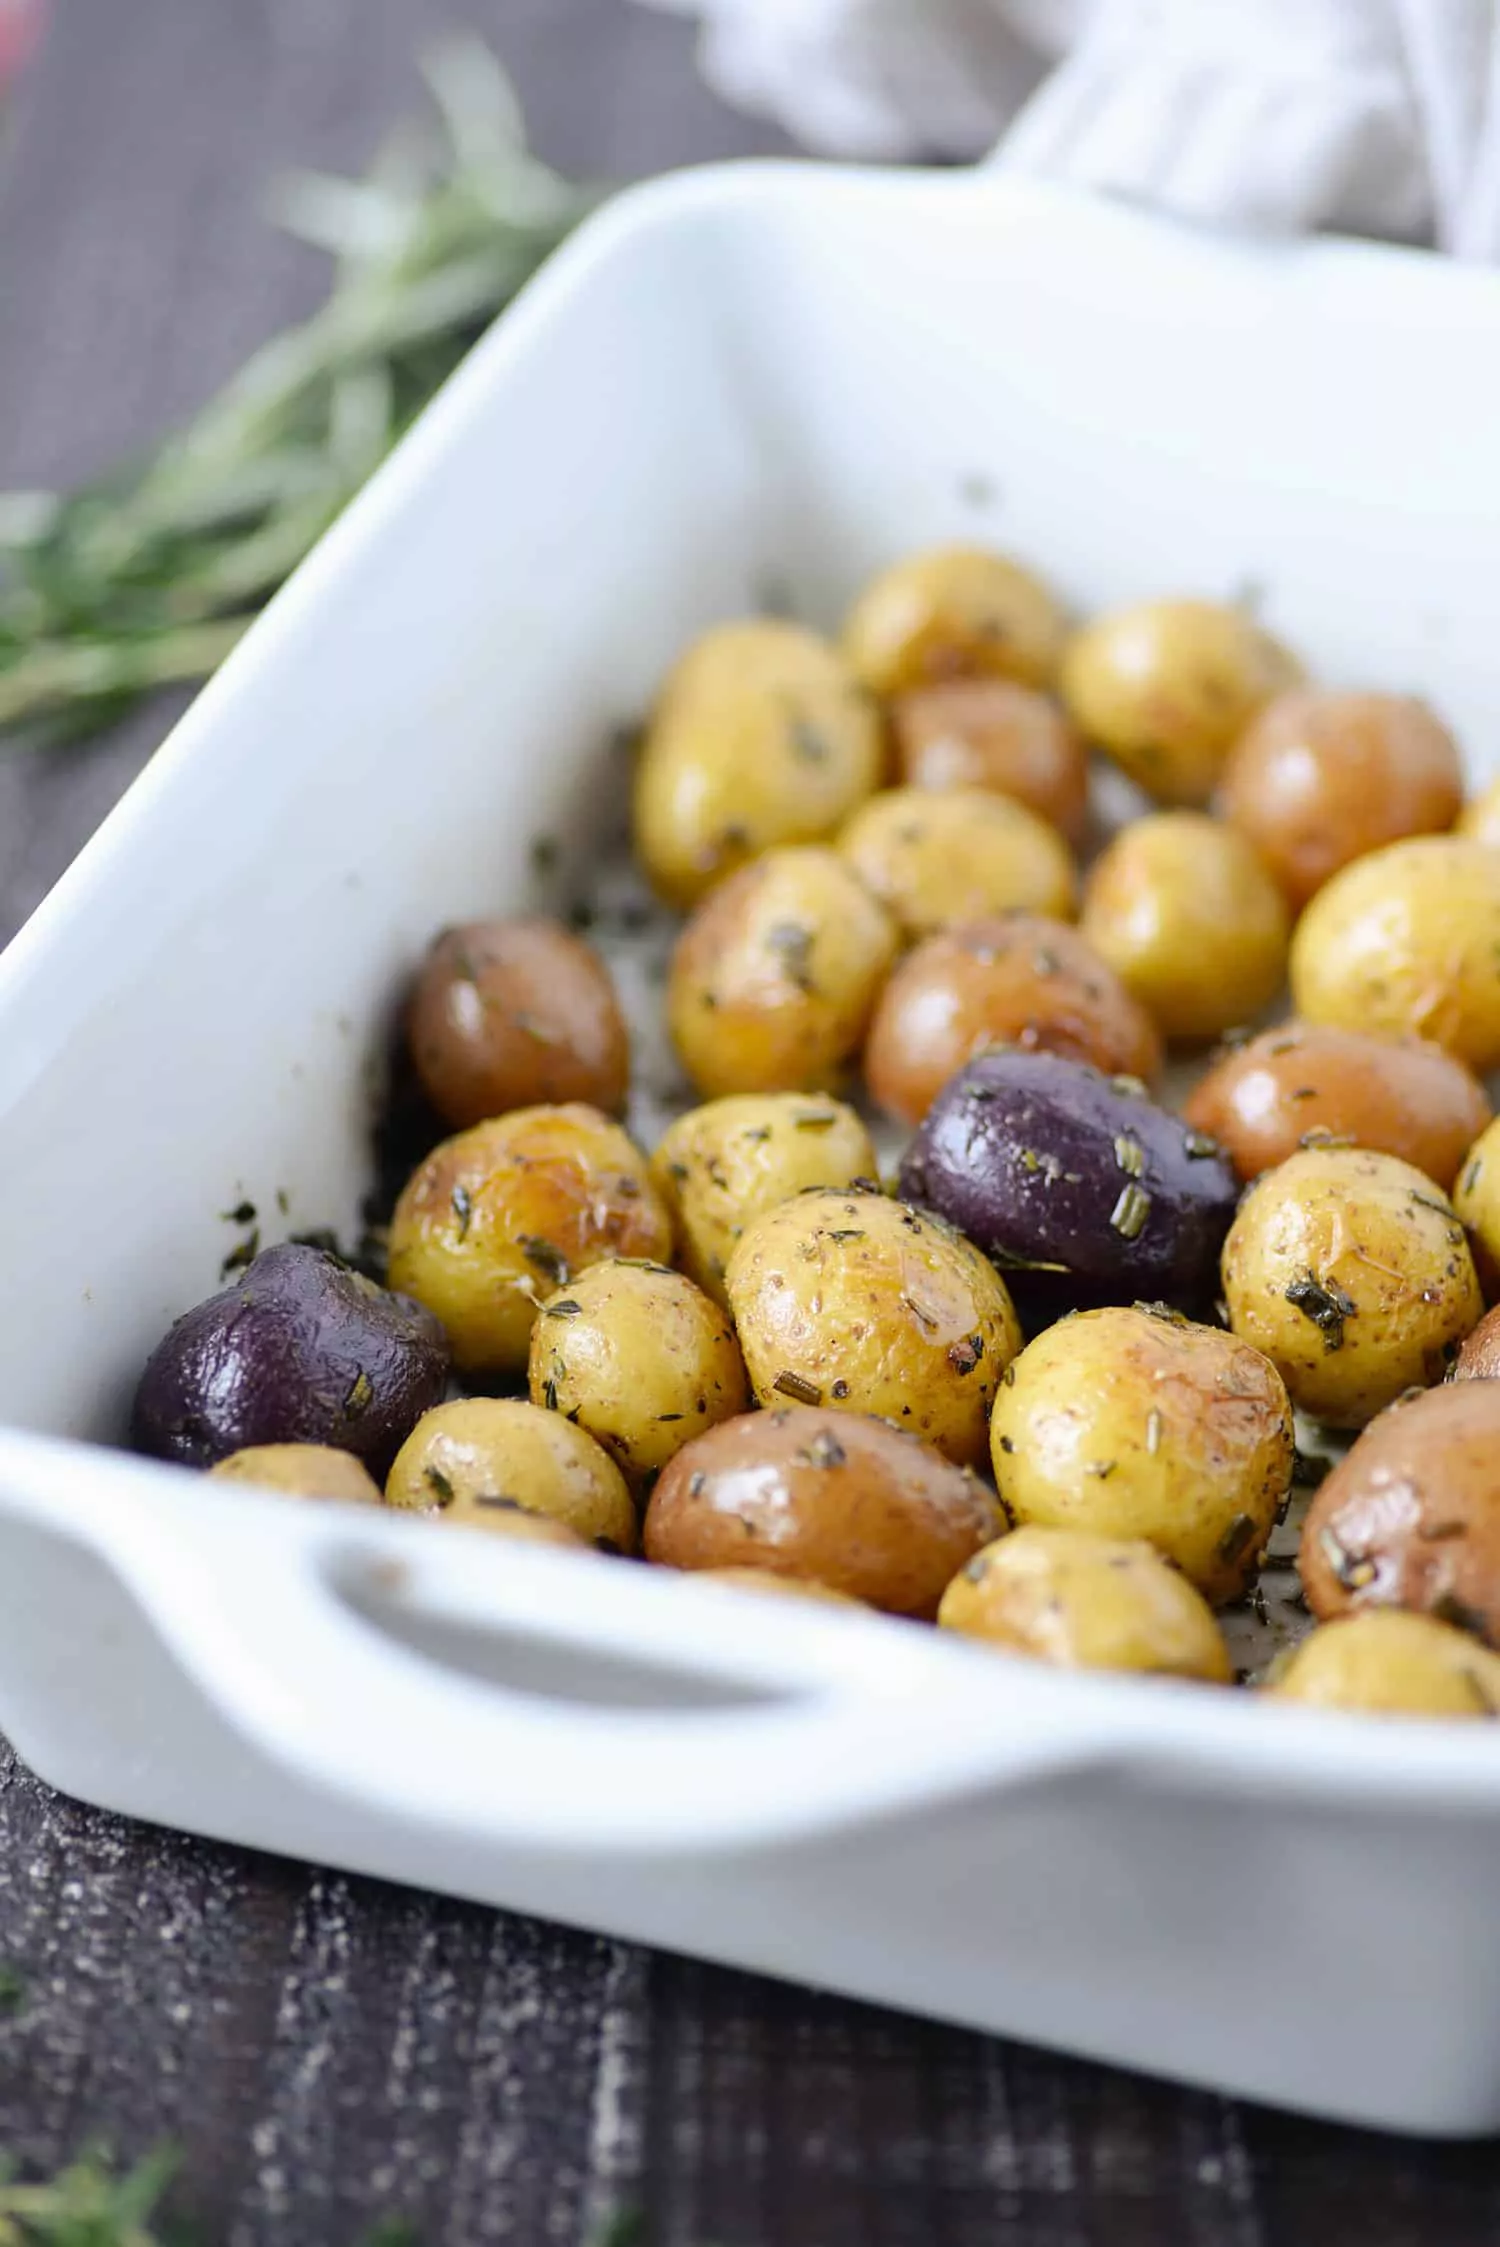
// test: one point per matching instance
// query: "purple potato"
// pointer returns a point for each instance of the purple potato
(300, 1350)
(1081, 1189)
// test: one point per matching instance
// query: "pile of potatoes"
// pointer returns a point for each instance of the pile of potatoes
(1040, 1387)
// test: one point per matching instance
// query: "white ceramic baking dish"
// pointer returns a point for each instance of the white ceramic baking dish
(731, 376)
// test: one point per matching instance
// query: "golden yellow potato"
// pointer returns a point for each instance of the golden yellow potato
(1476, 1198)
(729, 1161)
(302, 1470)
(1386, 1663)
(775, 977)
(788, 1587)
(953, 612)
(860, 1302)
(761, 735)
(480, 1459)
(1139, 1424)
(1191, 922)
(507, 1212)
(1351, 1272)
(1087, 1603)
(1408, 939)
(1480, 818)
(641, 1359)
(1165, 687)
(936, 856)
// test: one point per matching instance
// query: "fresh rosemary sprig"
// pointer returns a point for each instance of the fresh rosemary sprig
(147, 578)
(86, 2204)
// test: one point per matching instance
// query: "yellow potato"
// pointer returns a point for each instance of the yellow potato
(1480, 818)
(1165, 687)
(775, 977)
(1087, 1603)
(856, 1301)
(1182, 909)
(761, 735)
(953, 612)
(1476, 1198)
(1408, 939)
(1139, 1424)
(1387, 1663)
(786, 1587)
(303, 1470)
(937, 856)
(1351, 1272)
(499, 1217)
(639, 1358)
(482, 1460)
(730, 1161)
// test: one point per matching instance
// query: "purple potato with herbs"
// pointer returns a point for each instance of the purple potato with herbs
(1081, 1189)
(300, 1350)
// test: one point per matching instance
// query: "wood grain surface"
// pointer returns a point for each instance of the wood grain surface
(331, 2055)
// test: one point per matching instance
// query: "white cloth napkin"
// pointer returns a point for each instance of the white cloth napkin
(1368, 116)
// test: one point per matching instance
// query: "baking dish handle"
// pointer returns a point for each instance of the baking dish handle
(474, 1687)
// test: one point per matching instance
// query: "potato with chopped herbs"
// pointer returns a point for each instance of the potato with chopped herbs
(301, 1470)
(1086, 1603)
(723, 1164)
(935, 857)
(996, 734)
(953, 612)
(513, 1014)
(1408, 939)
(503, 1215)
(1480, 818)
(1139, 1424)
(1476, 1198)
(1190, 921)
(835, 1499)
(760, 736)
(638, 1357)
(1351, 1272)
(1303, 1082)
(488, 1460)
(1166, 687)
(1410, 1516)
(1319, 778)
(1015, 979)
(1385, 1663)
(856, 1301)
(774, 978)
(1479, 1359)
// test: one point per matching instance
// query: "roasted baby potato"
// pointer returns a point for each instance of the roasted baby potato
(939, 856)
(1480, 818)
(501, 1216)
(302, 1470)
(1192, 924)
(993, 733)
(762, 1580)
(512, 1014)
(1319, 778)
(729, 1161)
(1166, 687)
(1410, 1517)
(1301, 1083)
(774, 977)
(828, 1498)
(1479, 1359)
(853, 1300)
(1016, 979)
(1075, 1184)
(482, 1460)
(953, 612)
(1351, 1272)
(1136, 1423)
(760, 736)
(1408, 939)
(1385, 1663)
(1087, 1603)
(299, 1350)
(638, 1357)
(1476, 1198)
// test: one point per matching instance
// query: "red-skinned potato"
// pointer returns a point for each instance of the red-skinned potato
(995, 733)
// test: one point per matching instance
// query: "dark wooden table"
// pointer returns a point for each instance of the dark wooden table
(330, 2053)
